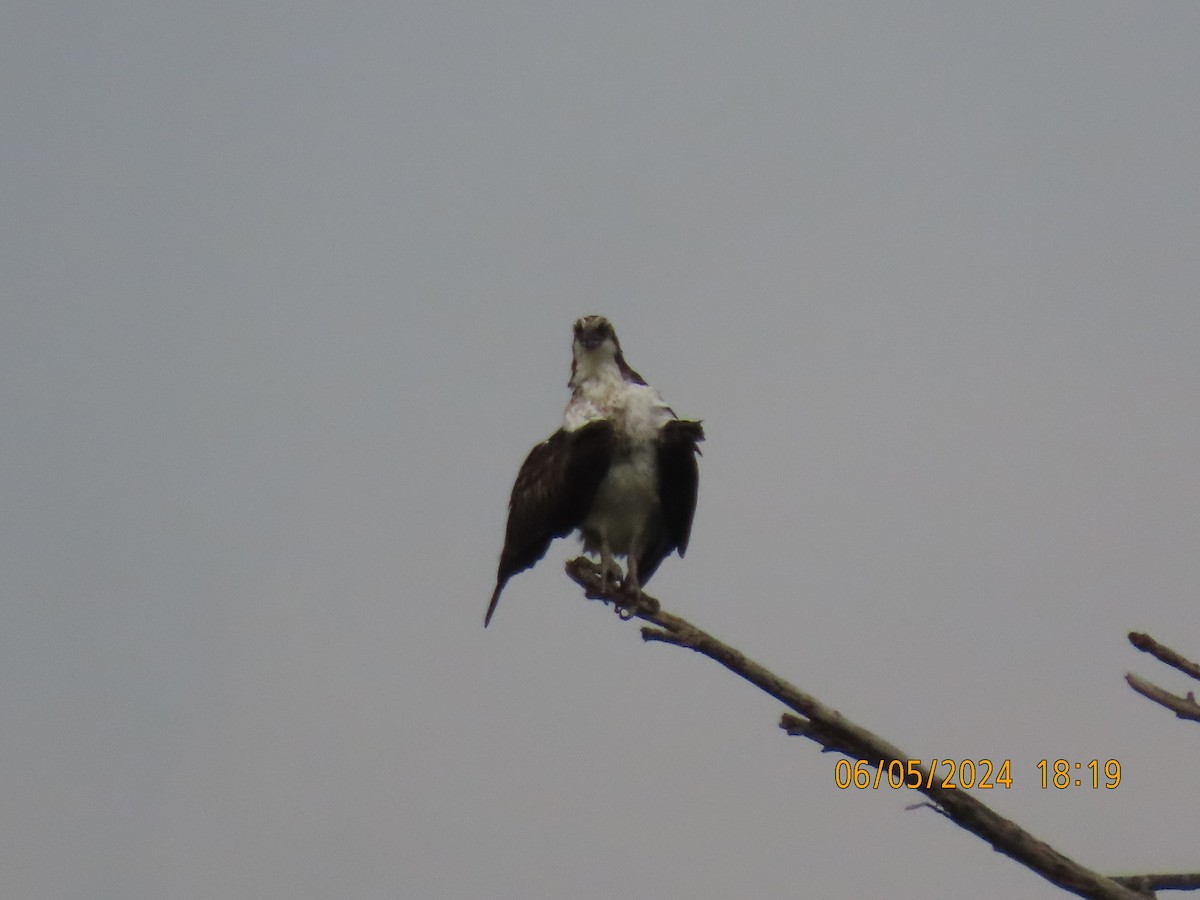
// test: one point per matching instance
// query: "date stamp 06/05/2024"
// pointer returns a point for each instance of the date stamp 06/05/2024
(983, 774)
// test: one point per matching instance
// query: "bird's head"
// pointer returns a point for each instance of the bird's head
(595, 339)
(596, 348)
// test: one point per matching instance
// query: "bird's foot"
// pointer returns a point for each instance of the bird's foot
(633, 601)
(611, 576)
(600, 581)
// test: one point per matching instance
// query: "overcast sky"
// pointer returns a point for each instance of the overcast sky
(287, 292)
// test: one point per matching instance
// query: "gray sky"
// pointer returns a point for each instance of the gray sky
(287, 295)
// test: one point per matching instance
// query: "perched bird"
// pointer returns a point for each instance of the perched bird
(622, 471)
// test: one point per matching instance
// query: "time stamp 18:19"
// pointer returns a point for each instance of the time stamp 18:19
(968, 773)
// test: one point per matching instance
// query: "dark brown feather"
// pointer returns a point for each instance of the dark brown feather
(627, 372)
(551, 497)
(678, 484)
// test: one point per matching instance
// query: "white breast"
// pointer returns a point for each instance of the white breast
(636, 410)
(626, 508)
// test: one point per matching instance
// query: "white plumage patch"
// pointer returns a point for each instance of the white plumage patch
(626, 504)
(636, 410)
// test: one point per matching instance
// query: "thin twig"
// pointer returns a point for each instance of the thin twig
(1147, 884)
(1183, 707)
(925, 804)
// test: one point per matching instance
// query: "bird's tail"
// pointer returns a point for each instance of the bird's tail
(487, 617)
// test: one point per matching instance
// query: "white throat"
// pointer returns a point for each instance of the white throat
(600, 363)
(601, 392)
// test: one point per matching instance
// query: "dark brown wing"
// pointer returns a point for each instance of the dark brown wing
(678, 484)
(551, 497)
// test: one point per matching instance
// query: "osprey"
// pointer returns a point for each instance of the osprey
(621, 470)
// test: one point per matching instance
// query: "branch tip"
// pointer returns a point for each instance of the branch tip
(1164, 654)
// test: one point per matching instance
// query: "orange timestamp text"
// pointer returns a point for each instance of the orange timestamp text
(971, 773)
(1061, 773)
(910, 773)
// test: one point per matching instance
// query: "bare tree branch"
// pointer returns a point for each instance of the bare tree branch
(1183, 707)
(833, 731)
(1147, 644)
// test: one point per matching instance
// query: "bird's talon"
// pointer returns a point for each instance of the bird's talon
(611, 578)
